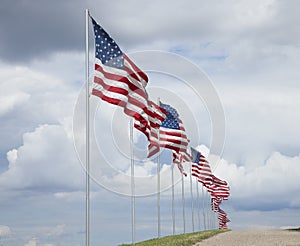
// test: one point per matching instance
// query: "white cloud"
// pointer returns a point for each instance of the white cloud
(4, 230)
(46, 160)
(32, 242)
(259, 120)
(10, 102)
(74, 196)
(58, 230)
(32, 97)
(271, 185)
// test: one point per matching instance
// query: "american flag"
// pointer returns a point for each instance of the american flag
(172, 132)
(201, 168)
(179, 158)
(222, 219)
(172, 136)
(219, 188)
(117, 80)
(158, 115)
(215, 203)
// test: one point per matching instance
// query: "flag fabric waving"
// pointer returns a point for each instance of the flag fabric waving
(172, 132)
(172, 136)
(222, 219)
(201, 168)
(179, 158)
(117, 80)
(215, 203)
(155, 122)
(219, 188)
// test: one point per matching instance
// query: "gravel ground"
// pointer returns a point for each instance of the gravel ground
(254, 238)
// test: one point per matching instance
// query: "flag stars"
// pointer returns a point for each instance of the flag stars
(172, 120)
(107, 51)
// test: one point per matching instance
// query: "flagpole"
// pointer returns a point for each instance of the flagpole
(203, 207)
(132, 184)
(183, 210)
(192, 199)
(87, 128)
(158, 195)
(173, 210)
(198, 206)
(207, 209)
(211, 219)
(158, 184)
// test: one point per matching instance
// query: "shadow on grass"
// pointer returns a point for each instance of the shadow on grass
(294, 229)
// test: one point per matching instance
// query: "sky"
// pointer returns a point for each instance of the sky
(231, 68)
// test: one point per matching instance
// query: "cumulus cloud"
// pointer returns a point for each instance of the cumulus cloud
(58, 230)
(9, 102)
(31, 97)
(262, 121)
(4, 230)
(272, 185)
(46, 160)
(32, 242)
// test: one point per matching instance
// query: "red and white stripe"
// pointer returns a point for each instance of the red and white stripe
(215, 203)
(202, 171)
(219, 188)
(159, 115)
(179, 158)
(126, 88)
(175, 139)
(222, 219)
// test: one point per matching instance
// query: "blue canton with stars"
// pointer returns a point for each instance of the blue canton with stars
(172, 120)
(106, 49)
(195, 155)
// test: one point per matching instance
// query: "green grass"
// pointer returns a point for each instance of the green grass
(294, 229)
(187, 239)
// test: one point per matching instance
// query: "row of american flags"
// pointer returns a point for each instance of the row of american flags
(118, 81)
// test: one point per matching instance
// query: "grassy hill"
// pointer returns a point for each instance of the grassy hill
(187, 239)
(294, 229)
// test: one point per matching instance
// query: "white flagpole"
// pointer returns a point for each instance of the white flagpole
(192, 199)
(87, 128)
(198, 206)
(203, 207)
(183, 210)
(211, 219)
(173, 210)
(132, 184)
(158, 184)
(158, 195)
(207, 209)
